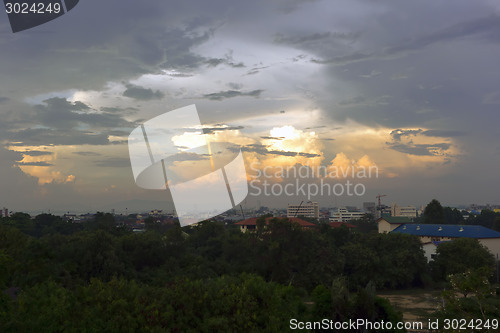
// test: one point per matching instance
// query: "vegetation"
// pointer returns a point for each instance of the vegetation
(97, 276)
(435, 213)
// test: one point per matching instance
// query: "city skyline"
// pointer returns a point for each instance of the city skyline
(290, 83)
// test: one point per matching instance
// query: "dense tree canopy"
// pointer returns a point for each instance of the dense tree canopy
(207, 278)
(459, 256)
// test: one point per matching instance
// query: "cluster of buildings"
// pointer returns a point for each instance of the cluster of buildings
(345, 214)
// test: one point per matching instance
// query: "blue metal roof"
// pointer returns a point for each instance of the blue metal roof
(447, 230)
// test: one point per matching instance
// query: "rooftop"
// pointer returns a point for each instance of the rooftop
(447, 230)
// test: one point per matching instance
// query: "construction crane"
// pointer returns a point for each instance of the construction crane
(379, 204)
(380, 196)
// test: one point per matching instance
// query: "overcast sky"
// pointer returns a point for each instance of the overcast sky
(411, 87)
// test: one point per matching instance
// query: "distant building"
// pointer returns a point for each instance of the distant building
(387, 224)
(369, 207)
(383, 211)
(342, 214)
(408, 211)
(431, 235)
(308, 209)
(251, 223)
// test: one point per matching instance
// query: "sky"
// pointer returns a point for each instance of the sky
(411, 88)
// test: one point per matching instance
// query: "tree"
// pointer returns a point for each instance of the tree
(486, 218)
(452, 216)
(392, 260)
(102, 221)
(460, 255)
(23, 222)
(365, 224)
(496, 223)
(470, 297)
(434, 213)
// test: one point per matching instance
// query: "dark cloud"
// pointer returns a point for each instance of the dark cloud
(292, 153)
(232, 93)
(3, 99)
(134, 41)
(255, 147)
(141, 93)
(41, 163)
(345, 59)
(187, 156)
(437, 149)
(86, 153)
(179, 75)
(235, 86)
(118, 133)
(487, 26)
(227, 60)
(397, 134)
(21, 186)
(443, 133)
(210, 130)
(315, 127)
(115, 162)
(484, 25)
(128, 110)
(272, 137)
(45, 136)
(281, 39)
(289, 6)
(256, 70)
(318, 37)
(356, 100)
(262, 150)
(37, 153)
(61, 114)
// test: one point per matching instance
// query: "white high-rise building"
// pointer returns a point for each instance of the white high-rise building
(308, 209)
(342, 214)
(407, 211)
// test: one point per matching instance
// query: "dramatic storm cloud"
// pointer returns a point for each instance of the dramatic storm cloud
(410, 86)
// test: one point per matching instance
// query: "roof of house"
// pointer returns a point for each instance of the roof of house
(340, 224)
(395, 219)
(447, 230)
(253, 221)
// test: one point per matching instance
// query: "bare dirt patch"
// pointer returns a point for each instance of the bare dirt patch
(416, 305)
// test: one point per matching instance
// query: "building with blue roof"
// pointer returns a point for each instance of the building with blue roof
(432, 234)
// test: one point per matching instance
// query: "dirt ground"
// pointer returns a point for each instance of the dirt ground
(416, 305)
